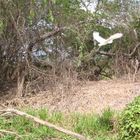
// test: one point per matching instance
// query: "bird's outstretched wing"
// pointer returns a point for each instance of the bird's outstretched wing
(98, 38)
(111, 38)
(103, 41)
(115, 36)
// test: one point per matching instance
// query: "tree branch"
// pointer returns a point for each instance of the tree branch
(43, 37)
(94, 52)
(40, 39)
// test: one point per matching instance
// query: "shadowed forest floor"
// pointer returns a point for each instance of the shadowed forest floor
(90, 97)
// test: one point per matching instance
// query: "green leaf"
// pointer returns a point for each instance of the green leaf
(51, 18)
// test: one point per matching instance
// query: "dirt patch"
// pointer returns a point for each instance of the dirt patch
(90, 97)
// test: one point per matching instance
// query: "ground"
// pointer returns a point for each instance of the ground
(85, 98)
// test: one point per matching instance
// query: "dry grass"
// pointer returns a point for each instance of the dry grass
(84, 98)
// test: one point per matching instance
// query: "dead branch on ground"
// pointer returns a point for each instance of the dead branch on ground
(37, 120)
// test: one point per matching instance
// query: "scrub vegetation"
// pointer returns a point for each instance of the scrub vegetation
(47, 50)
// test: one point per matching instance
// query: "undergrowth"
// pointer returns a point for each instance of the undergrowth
(130, 121)
(95, 127)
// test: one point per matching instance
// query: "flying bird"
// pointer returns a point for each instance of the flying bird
(103, 41)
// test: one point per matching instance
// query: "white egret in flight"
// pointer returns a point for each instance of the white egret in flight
(103, 41)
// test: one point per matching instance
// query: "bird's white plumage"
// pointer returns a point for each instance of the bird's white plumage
(103, 41)
(97, 37)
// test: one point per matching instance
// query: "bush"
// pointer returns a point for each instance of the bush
(130, 121)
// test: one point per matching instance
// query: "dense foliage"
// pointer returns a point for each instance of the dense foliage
(130, 121)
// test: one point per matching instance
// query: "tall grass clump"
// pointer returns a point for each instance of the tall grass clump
(91, 124)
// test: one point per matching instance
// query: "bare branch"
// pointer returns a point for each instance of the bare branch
(43, 37)
(133, 51)
(97, 6)
(106, 53)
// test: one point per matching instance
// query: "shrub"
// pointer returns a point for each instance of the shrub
(130, 121)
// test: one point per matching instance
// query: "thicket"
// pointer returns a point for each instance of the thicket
(46, 42)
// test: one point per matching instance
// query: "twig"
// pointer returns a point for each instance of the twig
(37, 120)
(9, 132)
(6, 114)
(1, 135)
(2, 105)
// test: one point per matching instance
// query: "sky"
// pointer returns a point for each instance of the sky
(90, 6)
